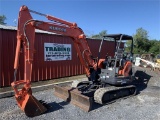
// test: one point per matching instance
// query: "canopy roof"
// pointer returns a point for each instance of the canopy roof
(118, 36)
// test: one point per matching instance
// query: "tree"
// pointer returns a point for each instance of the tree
(141, 41)
(142, 44)
(128, 46)
(155, 47)
(100, 35)
(2, 19)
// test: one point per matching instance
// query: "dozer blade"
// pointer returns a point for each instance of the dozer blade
(74, 96)
(31, 106)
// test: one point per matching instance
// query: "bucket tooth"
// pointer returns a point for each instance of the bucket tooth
(74, 96)
(32, 107)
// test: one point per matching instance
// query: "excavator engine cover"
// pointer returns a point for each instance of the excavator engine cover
(26, 101)
(74, 96)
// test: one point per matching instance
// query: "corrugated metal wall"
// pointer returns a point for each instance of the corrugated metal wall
(7, 51)
(43, 70)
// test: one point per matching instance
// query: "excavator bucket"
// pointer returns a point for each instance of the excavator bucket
(27, 102)
(30, 105)
(74, 96)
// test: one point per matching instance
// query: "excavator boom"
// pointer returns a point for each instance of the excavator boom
(25, 41)
(115, 71)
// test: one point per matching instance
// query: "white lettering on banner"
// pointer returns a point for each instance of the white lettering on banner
(56, 52)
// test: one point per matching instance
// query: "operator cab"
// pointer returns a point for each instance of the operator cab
(117, 70)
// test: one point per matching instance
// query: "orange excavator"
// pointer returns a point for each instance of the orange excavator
(100, 72)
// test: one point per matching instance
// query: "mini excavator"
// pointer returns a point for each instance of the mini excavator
(108, 79)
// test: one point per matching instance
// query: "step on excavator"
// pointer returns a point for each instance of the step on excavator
(113, 72)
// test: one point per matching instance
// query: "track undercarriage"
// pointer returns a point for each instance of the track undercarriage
(84, 95)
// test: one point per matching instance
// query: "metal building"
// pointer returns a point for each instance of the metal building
(43, 70)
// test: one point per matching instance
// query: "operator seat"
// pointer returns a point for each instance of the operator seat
(107, 62)
(120, 57)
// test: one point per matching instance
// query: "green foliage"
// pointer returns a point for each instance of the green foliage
(2, 19)
(155, 47)
(142, 44)
(128, 46)
(141, 41)
(100, 35)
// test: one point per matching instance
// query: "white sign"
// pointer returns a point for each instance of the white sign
(56, 52)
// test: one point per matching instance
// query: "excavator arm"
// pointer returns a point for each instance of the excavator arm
(26, 35)
(100, 72)
(25, 41)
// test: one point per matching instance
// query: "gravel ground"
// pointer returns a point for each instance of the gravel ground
(143, 106)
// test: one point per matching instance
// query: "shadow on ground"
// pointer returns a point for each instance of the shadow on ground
(53, 106)
(141, 80)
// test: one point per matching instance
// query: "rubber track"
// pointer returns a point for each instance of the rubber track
(101, 91)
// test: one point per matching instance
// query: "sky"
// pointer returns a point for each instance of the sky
(94, 16)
